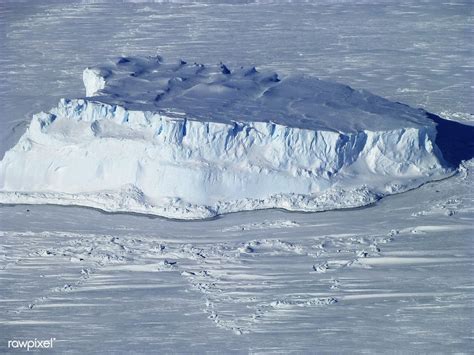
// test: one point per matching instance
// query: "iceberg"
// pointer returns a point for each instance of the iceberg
(189, 141)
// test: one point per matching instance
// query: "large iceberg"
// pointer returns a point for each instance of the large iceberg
(184, 140)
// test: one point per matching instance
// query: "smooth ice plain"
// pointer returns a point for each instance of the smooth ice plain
(393, 276)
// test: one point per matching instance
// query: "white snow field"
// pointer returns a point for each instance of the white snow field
(193, 141)
(395, 276)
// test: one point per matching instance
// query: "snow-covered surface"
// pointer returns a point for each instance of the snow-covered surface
(272, 275)
(396, 276)
(192, 141)
(222, 94)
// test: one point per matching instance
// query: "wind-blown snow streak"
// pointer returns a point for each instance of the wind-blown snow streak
(189, 141)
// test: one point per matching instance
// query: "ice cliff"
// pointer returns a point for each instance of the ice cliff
(185, 140)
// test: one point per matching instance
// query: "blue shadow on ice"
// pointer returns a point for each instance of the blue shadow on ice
(455, 140)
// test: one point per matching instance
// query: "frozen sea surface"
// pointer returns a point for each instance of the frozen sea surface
(395, 276)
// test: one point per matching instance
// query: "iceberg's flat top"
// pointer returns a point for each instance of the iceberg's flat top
(221, 94)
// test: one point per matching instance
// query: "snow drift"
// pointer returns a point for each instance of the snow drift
(192, 141)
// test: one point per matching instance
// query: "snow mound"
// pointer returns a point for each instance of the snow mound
(192, 141)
